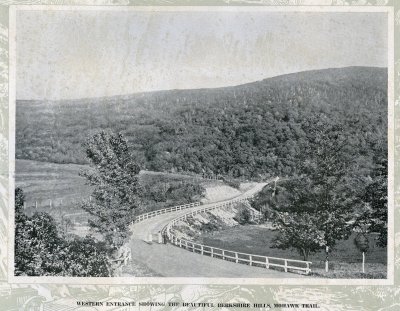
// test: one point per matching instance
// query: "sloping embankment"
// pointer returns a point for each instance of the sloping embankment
(212, 221)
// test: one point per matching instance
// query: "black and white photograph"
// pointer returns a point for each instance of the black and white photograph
(209, 143)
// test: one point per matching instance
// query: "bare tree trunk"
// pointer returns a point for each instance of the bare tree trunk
(305, 253)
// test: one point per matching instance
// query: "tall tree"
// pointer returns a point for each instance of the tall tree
(375, 212)
(327, 183)
(299, 231)
(322, 193)
(115, 197)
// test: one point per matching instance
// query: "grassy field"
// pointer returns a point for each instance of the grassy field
(54, 188)
(58, 189)
(43, 181)
(345, 259)
(61, 183)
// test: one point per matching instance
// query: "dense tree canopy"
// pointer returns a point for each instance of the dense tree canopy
(165, 191)
(253, 130)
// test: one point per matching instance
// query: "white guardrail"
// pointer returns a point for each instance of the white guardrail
(224, 254)
(165, 211)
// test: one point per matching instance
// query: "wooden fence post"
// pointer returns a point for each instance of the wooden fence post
(285, 265)
(363, 262)
(251, 260)
(236, 257)
(266, 263)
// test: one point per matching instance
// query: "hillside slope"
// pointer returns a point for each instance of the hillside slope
(249, 130)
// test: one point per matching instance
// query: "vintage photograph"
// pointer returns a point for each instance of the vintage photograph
(201, 143)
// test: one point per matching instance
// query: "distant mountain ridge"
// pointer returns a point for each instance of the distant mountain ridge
(375, 75)
(211, 130)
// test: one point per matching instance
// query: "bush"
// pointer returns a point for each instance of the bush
(243, 216)
(86, 257)
(41, 250)
(208, 227)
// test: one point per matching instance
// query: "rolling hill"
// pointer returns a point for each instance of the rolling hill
(250, 130)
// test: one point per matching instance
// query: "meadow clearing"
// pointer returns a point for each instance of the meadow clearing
(345, 259)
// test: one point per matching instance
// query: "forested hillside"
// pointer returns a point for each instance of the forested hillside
(252, 130)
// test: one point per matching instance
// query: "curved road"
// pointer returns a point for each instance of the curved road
(172, 261)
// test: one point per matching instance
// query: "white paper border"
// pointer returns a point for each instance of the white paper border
(199, 280)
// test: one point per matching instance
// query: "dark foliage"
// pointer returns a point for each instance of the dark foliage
(161, 192)
(243, 215)
(377, 197)
(87, 257)
(41, 250)
(373, 217)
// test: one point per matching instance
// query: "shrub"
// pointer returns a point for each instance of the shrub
(243, 216)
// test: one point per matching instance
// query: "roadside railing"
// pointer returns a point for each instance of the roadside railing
(288, 265)
(242, 258)
(164, 211)
(185, 206)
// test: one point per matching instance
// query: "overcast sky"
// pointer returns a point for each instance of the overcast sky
(71, 54)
